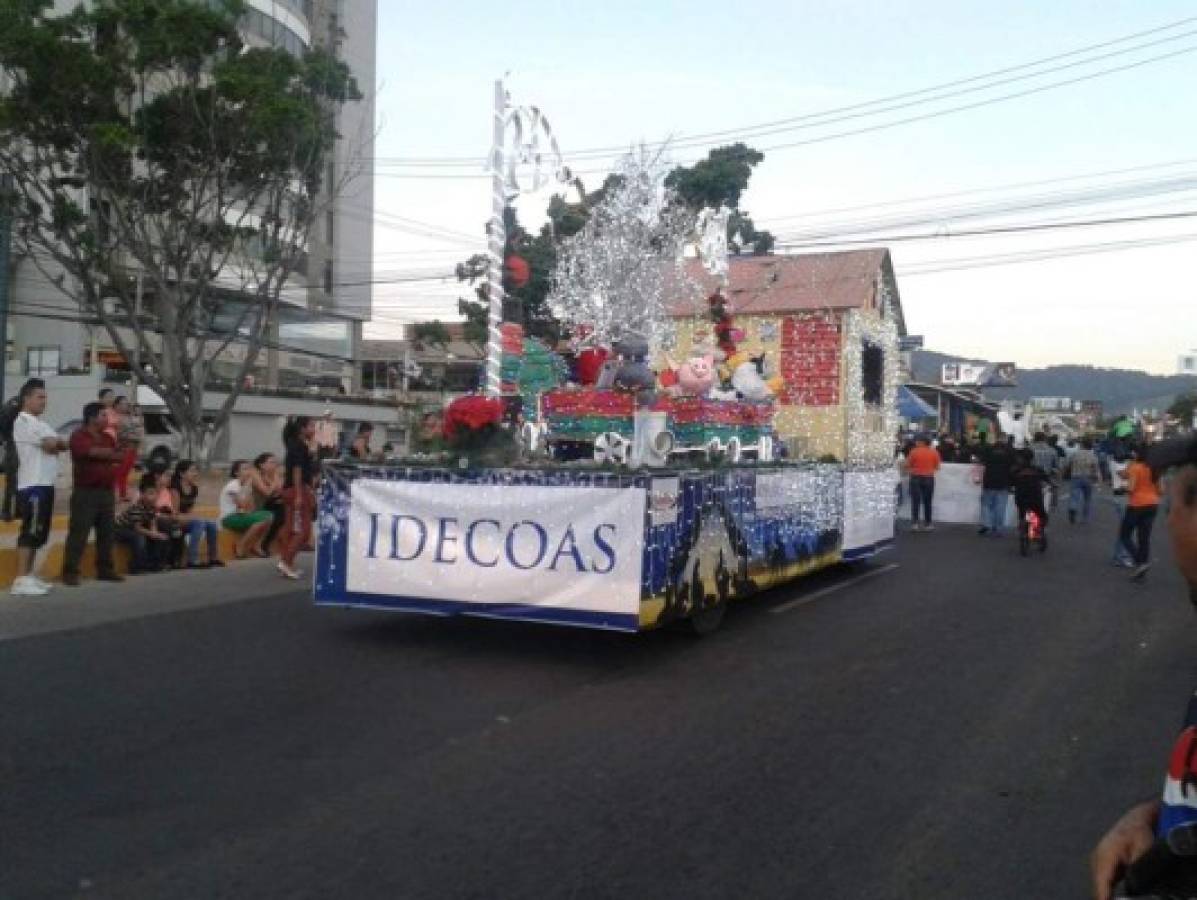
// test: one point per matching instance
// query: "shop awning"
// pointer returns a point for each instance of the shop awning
(913, 407)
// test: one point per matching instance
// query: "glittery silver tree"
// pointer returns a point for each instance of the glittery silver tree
(623, 272)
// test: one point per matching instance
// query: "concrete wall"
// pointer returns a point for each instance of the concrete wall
(255, 425)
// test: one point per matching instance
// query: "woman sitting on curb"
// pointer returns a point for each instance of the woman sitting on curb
(184, 488)
(237, 512)
(267, 486)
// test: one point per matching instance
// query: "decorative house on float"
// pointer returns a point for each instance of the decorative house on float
(828, 324)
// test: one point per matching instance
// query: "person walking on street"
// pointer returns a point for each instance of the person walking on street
(1047, 461)
(38, 446)
(1142, 504)
(921, 464)
(1083, 473)
(300, 471)
(95, 456)
(1161, 824)
(995, 487)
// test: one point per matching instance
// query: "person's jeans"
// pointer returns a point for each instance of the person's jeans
(993, 509)
(922, 491)
(147, 554)
(90, 507)
(1138, 521)
(196, 529)
(1080, 498)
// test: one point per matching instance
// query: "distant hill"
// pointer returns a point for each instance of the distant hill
(1120, 390)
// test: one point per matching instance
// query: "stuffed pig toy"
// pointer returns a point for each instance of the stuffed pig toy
(696, 375)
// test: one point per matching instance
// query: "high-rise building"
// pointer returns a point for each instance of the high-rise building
(326, 302)
(1186, 363)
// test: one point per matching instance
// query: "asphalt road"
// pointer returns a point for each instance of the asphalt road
(962, 726)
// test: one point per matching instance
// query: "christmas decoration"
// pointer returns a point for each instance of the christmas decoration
(517, 271)
(623, 270)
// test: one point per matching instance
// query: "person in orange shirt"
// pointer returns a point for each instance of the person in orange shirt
(1143, 502)
(921, 465)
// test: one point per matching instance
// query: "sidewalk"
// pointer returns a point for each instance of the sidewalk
(96, 603)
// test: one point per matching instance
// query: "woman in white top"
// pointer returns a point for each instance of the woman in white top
(237, 512)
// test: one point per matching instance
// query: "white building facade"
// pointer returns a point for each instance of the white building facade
(1186, 363)
(319, 331)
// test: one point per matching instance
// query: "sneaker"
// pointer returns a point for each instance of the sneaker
(25, 586)
(287, 572)
(928, 527)
(916, 527)
(1140, 572)
(216, 563)
(984, 529)
(41, 581)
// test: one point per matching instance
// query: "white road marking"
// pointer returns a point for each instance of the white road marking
(831, 589)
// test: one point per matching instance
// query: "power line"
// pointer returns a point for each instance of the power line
(857, 107)
(996, 230)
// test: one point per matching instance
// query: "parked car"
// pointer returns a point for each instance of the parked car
(162, 445)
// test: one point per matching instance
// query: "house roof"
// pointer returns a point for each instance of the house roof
(791, 283)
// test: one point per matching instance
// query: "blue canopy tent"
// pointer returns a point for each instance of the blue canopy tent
(912, 407)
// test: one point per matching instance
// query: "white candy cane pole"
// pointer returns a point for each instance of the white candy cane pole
(497, 234)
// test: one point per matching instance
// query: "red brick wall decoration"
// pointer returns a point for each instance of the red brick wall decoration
(810, 359)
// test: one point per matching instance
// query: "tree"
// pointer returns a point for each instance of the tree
(167, 177)
(719, 180)
(432, 334)
(1184, 408)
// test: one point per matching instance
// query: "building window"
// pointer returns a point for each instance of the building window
(42, 361)
(872, 373)
(328, 276)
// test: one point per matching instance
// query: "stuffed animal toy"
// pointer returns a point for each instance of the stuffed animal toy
(748, 379)
(633, 373)
(696, 375)
(589, 364)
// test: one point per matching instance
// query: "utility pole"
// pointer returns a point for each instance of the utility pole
(6, 186)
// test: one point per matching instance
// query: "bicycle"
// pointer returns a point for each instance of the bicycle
(1031, 531)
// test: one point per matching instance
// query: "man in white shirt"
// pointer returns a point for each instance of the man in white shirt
(38, 446)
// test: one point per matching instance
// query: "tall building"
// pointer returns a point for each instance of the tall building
(1186, 363)
(326, 302)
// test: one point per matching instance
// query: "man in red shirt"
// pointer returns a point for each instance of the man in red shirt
(921, 464)
(96, 457)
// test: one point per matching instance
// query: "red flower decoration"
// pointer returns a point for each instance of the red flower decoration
(472, 414)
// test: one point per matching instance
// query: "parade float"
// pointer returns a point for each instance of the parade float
(710, 428)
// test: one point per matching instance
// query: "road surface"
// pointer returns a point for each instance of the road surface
(964, 724)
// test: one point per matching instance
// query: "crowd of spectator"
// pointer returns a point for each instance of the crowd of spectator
(270, 508)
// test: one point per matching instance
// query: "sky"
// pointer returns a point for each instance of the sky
(624, 71)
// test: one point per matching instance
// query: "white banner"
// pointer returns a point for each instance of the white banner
(957, 498)
(576, 548)
(869, 507)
